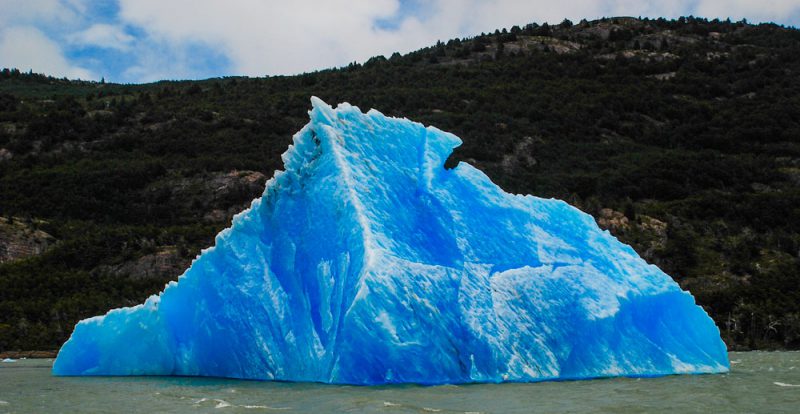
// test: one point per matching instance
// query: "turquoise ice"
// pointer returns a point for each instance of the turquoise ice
(367, 262)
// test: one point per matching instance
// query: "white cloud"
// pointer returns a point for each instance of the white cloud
(279, 37)
(155, 62)
(756, 11)
(19, 13)
(190, 38)
(103, 35)
(263, 37)
(26, 47)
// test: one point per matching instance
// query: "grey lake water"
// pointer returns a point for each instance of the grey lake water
(759, 382)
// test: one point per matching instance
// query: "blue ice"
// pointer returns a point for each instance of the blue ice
(367, 262)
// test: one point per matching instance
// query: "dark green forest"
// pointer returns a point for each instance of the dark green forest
(682, 137)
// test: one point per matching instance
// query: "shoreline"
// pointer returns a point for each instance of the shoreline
(28, 354)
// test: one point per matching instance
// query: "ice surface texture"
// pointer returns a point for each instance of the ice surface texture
(367, 262)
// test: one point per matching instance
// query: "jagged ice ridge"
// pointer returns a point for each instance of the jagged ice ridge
(367, 262)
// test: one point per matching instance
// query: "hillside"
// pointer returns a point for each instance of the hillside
(681, 137)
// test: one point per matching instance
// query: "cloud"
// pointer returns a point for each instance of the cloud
(104, 36)
(756, 11)
(31, 11)
(272, 37)
(142, 40)
(263, 37)
(26, 47)
(157, 60)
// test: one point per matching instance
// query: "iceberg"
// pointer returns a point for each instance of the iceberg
(368, 262)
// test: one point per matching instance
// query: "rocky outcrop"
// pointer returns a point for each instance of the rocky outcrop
(165, 264)
(612, 220)
(646, 234)
(644, 55)
(543, 44)
(20, 239)
(5, 155)
(219, 194)
(521, 157)
(655, 231)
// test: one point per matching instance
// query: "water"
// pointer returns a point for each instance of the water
(759, 382)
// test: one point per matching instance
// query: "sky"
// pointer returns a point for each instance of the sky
(136, 41)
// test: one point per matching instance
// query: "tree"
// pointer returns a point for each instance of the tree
(543, 30)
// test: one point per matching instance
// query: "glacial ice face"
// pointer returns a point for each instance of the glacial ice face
(367, 262)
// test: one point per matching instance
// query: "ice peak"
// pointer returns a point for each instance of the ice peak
(321, 113)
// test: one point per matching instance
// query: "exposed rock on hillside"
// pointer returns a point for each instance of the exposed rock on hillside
(612, 220)
(5, 155)
(164, 264)
(19, 240)
(219, 194)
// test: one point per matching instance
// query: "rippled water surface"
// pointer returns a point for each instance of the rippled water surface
(760, 382)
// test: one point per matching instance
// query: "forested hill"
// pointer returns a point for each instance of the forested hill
(682, 137)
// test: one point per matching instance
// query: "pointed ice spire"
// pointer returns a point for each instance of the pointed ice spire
(321, 113)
